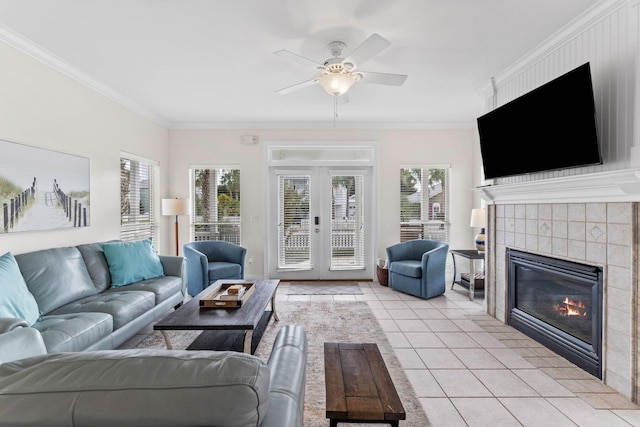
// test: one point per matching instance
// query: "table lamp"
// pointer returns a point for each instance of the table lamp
(175, 207)
(478, 221)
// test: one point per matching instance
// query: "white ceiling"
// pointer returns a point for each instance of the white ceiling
(210, 63)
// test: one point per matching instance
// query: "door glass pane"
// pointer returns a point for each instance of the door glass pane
(347, 224)
(294, 230)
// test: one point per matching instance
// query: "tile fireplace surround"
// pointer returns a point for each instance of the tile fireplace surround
(573, 219)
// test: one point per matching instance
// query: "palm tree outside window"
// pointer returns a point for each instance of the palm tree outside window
(215, 198)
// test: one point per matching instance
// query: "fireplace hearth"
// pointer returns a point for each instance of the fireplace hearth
(559, 304)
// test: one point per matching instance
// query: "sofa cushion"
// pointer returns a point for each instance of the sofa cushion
(55, 276)
(123, 306)
(223, 270)
(407, 268)
(135, 388)
(162, 287)
(74, 331)
(97, 265)
(130, 262)
(15, 298)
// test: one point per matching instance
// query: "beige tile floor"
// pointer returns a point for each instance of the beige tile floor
(469, 369)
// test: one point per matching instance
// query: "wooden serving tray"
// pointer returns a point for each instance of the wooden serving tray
(212, 299)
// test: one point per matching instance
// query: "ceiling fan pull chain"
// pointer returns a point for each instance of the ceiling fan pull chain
(335, 109)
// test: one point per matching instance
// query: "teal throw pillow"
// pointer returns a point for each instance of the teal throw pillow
(130, 262)
(15, 298)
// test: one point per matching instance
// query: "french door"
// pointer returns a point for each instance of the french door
(318, 223)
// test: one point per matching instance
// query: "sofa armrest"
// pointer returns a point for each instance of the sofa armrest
(288, 364)
(19, 343)
(175, 266)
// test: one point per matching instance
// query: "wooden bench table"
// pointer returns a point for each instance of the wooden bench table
(358, 386)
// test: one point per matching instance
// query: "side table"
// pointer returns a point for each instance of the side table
(471, 279)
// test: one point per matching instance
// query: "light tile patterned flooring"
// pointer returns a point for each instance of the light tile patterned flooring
(469, 369)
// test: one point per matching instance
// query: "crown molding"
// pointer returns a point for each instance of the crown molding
(39, 53)
(322, 125)
(579, 24)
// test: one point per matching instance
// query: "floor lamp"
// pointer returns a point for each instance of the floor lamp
(175, 207)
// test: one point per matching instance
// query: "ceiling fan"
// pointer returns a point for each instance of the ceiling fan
(339, 74)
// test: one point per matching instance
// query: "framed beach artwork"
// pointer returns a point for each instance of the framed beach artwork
(42, 189)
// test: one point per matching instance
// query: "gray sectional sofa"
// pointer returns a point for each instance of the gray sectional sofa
(59, 367)
(157, 388)
(79, 308)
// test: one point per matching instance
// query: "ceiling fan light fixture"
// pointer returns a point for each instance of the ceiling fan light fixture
(336, 84)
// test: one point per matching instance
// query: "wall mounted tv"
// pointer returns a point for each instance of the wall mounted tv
(552, 127)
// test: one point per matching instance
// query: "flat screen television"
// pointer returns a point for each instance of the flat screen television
(552, 127)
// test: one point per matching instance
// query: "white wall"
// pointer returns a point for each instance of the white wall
(608, 37)
(42, 107)
(396, 148)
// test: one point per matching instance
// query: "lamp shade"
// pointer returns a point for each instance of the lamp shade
(175, 206)
(336, 83)
(477, 218)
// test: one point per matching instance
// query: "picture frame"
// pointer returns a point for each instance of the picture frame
(42, 189)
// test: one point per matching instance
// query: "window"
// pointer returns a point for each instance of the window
(424, 204)
(139, 198)
(215, 198)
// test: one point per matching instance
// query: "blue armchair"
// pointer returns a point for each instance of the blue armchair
(417, 267)
(211, 260)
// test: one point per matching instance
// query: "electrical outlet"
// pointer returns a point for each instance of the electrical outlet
(250, 260)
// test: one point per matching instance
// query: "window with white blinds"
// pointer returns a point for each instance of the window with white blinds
(215, 198)
(139, 198)
(294, 231)
(424, 204)
(347, 224)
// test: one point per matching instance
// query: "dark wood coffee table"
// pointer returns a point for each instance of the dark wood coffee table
(238, 329)
(358, 386)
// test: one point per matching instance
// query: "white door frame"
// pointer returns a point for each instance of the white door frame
(331, 155)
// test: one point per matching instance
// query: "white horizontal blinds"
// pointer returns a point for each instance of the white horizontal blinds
(215, 202)
(347, 222)
(138, 199)
(424, 204)
(294, 228)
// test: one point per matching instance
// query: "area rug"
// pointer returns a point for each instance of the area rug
(323, 288)
(325, 322)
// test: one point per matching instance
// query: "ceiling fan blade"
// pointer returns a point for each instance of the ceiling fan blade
(299, 59)
(296, 86)
(367, 50)
(382, 78)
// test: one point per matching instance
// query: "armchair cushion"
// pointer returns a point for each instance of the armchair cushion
(409, 268)
(223, 270)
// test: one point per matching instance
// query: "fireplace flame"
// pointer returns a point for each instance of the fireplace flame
(571, 308)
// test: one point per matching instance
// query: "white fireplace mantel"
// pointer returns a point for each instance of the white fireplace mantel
(611, 186)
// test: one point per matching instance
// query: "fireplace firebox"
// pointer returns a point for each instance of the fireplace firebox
(559, 304)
